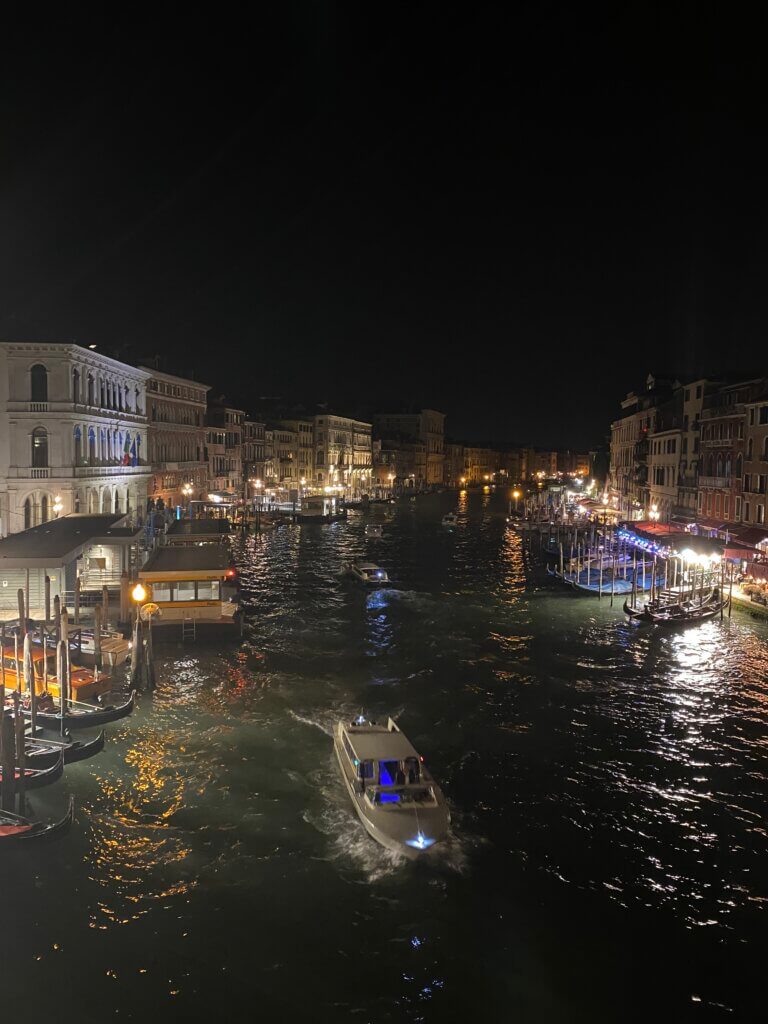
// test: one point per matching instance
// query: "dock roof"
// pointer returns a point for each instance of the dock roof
(187, 559)
(59, 541)
(199, 527)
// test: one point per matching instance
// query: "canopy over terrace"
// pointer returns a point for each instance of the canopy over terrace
(95, 547)
(668, 541)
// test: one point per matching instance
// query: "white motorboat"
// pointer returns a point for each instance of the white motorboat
(369, 573)
(396, 798)
(450, 519)
(374, 530)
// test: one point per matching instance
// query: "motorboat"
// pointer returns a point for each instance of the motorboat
(396, 798)
(374, 530)
(369, 573)
(450, 519)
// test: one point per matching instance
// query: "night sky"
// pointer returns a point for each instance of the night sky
(509, 218)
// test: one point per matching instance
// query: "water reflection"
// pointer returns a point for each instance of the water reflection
(590, 765)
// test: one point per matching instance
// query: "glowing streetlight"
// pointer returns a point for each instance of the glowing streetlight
(57, 505)
(139, 593)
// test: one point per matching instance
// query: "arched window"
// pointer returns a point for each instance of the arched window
(749, 449)
(90, 389)
(78, 437)
(728, 465)
(27, 513)
(38, 377)
(765, 448)
(91, 445)
(44, 509)
(75, 385)
(39, 448)
(77, 501)
(117, 502)
(103, 444)
(719, 468)
(739, 466)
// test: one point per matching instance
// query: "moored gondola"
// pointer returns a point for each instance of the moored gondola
(42, 754)
(682, 614)
(15, 828)
(35, 778)
(83, 716)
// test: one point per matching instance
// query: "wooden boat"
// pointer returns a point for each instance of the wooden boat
(15, 828)
(681, 614)
(83, 716)
(42, 754)
(86, 683)
(36, 778)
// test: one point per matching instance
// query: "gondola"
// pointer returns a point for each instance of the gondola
(15, 828)
(36, 778)
(83, 716)
(636, 614)
(679, 615)
(41, 754)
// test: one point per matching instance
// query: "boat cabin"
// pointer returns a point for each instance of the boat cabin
(386, 766)
(368, 572)
(86, 683)
(192, 583)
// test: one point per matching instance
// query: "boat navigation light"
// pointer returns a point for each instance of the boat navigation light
(360, 720)
(421, 842)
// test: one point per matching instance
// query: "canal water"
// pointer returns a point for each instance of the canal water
(607, 785)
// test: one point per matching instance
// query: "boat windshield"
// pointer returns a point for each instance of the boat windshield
(407, 796)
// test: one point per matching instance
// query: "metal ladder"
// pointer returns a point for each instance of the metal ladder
(188, 630)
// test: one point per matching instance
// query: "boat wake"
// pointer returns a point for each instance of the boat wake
(351, 848)
(326, 727)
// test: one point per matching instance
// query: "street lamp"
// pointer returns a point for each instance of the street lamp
(139, 596)
(654, 513)
(57, 505)
(516, 496)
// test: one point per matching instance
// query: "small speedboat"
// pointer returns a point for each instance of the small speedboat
(450, 519)
(369, 573)
(374, 530)
(396, 798)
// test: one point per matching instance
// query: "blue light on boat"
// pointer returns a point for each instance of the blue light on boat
(360, 720)
(421, 842)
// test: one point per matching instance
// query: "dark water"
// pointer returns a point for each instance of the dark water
(607, 783)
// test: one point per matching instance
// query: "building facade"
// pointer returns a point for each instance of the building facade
(343, 455)
(721, 465)
(176, 410)
(254, 462)
(427, 428)
(627, 485)
(226, 426)
(73, 434)
(755, 472)
(664, 453)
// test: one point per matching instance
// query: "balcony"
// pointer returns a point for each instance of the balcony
(715, 483)
(38, 407)
(101, 471)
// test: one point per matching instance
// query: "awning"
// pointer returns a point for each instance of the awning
(747, 534)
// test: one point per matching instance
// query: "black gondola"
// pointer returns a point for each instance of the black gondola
(83, 716)
(15, 828)
(35, 778)
(41, 754)
(680, 615)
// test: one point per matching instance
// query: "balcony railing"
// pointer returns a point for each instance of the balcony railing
(40, 474)
(715, 482)
(38, 407)
(114, 470)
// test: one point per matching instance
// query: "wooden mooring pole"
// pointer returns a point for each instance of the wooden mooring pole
(21, 760)
(47, 599)
(8, 757)
(29, 681)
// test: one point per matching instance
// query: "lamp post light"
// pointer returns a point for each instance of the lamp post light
(654, 513)
(57, 505)
(186, 490)
(516, 496)
(138, 596)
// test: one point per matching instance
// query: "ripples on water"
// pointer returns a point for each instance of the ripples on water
(607, 785)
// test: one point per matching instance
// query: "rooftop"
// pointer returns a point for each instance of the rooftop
(380, 744)
(187, 559)
(61, 540)
(199, 527)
